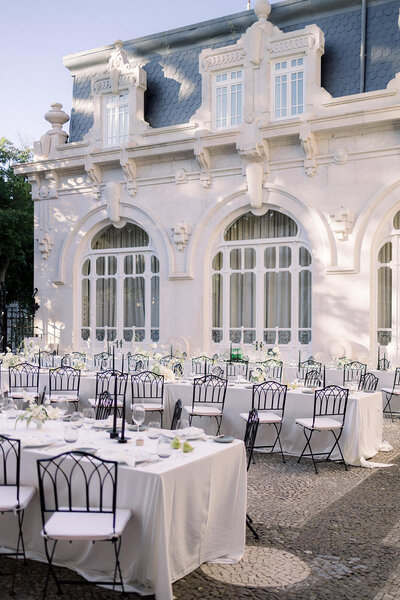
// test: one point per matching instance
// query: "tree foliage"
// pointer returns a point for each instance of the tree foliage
(16, 226)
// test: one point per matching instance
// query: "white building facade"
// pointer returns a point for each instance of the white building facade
(270, 213)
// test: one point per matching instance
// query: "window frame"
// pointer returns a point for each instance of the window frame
(229, 84)
(120, 139)
(287, 71)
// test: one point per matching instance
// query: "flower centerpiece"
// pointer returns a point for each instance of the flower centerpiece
(163, 370)
(10, 359)
(258, 375)
(293, 385)
(38, 414)
(79, 364)
(273, 353)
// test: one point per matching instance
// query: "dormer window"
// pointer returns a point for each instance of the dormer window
(289, 88)
(228, 99)
(117, 119)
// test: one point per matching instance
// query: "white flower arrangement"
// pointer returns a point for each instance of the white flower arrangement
(38, 413)
(293, 385)
(273, 353)
(79, 364)
(163, 370)
(10, 359)
(258, 375)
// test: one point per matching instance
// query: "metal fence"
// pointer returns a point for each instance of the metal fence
(20, 325)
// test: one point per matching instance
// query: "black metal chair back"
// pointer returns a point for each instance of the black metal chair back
(313, 378)
(308, 365)
(64, 379)
(331, 401)
(353, 371)
(102, 361)
(368, 382)
(10, 462)
(113, 382)
(177, 414)
(66, 360)
(218, 371)
(104, 406)
(80, 356)
(44, 358)
(251, 434)
(42, 396)
(177, 369)
(273, 368)
(137, 362)
(209, 389)
(77, 482)
(233, 368)
(270, 395)
(201, 365)
(147, 385)
(383, 364)
(24, 377)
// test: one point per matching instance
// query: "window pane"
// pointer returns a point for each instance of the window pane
(155, 264)
(284, 299)
(249, 300)
(304, 257)
(273, 224)
(396, 220)
(236, 259)
(385, 297)
(285, 257)
(112, 265)
(217, 300)
(270, 258)
(128, 265)
(385, 253)
(236, 299)
(140, 263)
(129, 236)
(106, 302)
(100, 266)
(134, 302)
(270, 297)
(85, 319)
(249, 258)
(304, 299)
(86, 267)
(218, 261)
(155, 301)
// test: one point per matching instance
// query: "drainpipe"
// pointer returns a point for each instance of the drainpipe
(363, 44)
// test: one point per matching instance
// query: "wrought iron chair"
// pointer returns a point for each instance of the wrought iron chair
(249, 440)
(208, 399)
(368, 382)
(313, 378)
(137, 362)
(201, 365)
(148, 390)
(44, 359)
(14, 497)
(177, 414)
(24, 378)
(308, 365)
(78, 356)
(166, 360)
(78, 501)
(102, 361)
(177, 369)
(330, 406)
(353, 371)
(392, 393)
(269, 399)
(383, 364)
(113, 382)
(233, 368)
(66, 360)
(65, 382)
(218, 371)
(104, 406)
(273, 369)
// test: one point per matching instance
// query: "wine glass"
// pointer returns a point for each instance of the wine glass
(88, 418)
(182, 428)
(154, 430)
(138, 415)
(62, 405)
(77, 419)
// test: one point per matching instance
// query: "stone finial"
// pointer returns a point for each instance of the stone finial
(119, 58)
(262, 9)
(56, 117)
(55, 136)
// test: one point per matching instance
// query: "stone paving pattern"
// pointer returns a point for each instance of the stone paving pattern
(332, 536)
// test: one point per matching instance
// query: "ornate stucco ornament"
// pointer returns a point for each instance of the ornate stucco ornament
(112, 196)
(119, 68)
(45, 243)
(180, 234)
(341, 222)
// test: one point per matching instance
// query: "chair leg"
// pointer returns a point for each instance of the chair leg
(161, 414)
(308, 438)
(117, 548)
(388, 399)
(278, 439)
(249, 522)
(337, 438)
(50, 569)
(219, 421)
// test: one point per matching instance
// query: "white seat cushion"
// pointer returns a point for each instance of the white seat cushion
(320, 423)
(93, 403)
(264, 416)
(395, 392)
(152, 406)
(85, 525)
(25, 395)
(68, 397)
(204, 411)
(8, 496)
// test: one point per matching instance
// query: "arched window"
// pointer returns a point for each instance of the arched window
(261, 282)
(388, 285)
(120, 287)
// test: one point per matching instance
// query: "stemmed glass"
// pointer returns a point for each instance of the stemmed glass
(182, 428)
(138, 415)
(89, 418)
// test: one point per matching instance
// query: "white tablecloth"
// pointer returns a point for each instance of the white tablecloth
(362, 433)
(187, 509)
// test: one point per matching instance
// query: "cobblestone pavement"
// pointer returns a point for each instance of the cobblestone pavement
(332, 536)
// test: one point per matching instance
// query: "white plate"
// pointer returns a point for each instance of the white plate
(191, 433)
(129, 457)
(32, 441)
(307, 391)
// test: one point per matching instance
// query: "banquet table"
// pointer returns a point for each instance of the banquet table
(362, 432)
(186, 509)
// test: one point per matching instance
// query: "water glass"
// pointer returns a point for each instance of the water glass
(154, 430)
(76, 419)
(88, 418)
(164, 449)
(70, 433)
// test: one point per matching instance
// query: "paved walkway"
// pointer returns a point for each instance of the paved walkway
(332, 536)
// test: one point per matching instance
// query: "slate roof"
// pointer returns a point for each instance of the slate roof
(174, 84)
